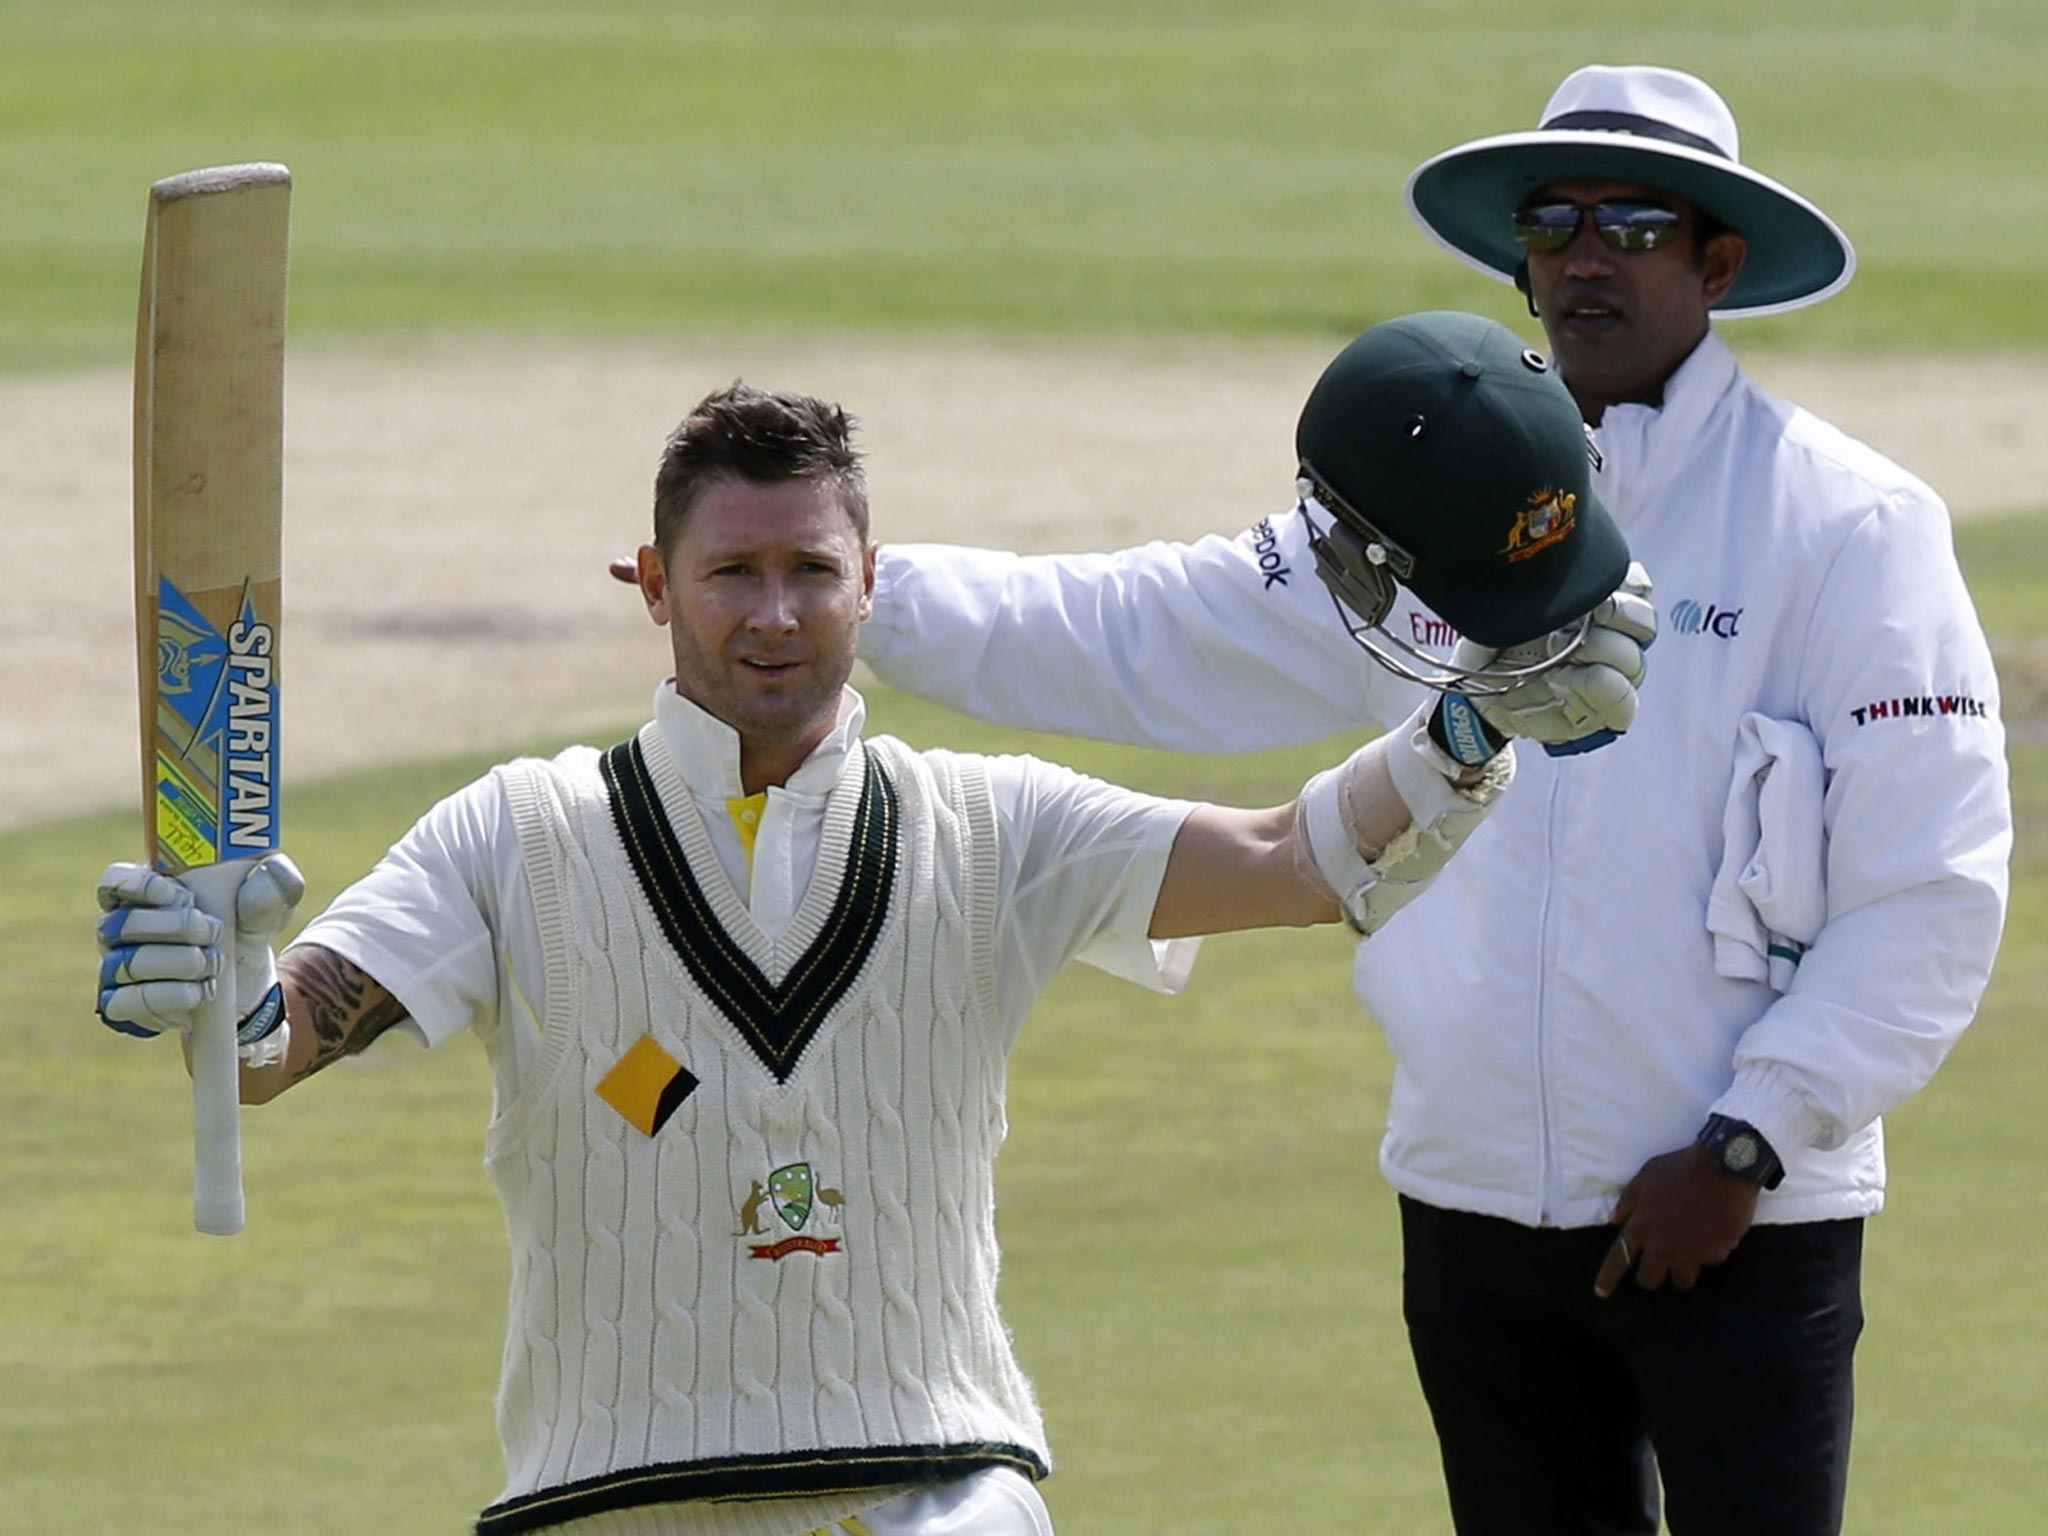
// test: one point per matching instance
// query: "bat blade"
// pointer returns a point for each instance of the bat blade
(209, 500)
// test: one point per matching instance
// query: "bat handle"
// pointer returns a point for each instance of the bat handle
(216, 1070)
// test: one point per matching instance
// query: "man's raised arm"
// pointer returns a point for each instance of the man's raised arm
(334, 1009)
(1360, 842)
(1190, 647)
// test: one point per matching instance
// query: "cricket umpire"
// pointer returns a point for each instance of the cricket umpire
(748, 981)
(1645, 1028)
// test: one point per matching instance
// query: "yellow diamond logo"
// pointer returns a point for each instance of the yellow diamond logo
(647, 1085)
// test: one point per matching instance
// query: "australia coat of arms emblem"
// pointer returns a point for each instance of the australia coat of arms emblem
(797, 1200)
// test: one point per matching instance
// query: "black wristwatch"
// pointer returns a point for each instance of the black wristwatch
(1739, 1148)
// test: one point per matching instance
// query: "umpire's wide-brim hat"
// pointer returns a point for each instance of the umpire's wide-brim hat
(1656, 127)
(1443, 441)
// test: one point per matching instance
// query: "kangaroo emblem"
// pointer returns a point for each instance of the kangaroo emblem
(750, 1211)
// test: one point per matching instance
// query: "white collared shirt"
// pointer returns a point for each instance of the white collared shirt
(793, 820)
(445, 920)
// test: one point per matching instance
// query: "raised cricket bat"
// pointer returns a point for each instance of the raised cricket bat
(209, 508)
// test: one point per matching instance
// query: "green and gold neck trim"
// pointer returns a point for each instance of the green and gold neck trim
(776, 1020)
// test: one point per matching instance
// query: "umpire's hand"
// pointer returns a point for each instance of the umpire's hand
(1679, 1214)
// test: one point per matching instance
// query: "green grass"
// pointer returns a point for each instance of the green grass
(651, 166)
(1202, 1266)
(2006, 559)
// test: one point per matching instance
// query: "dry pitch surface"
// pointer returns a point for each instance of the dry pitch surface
(449, 513)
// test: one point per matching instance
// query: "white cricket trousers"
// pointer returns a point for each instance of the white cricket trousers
(993, 1502)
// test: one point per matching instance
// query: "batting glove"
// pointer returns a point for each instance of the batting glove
(161, 957)
(1445, 800)
(1590, 700)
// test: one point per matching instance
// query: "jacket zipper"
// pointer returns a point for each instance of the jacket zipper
(1550, 1190)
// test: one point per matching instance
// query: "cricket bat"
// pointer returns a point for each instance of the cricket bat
(209, 505)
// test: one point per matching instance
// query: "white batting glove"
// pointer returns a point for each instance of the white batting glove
(1446, 800)
(162, 957)
(1590, 700)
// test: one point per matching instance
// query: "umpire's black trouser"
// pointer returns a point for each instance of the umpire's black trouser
(1558, 1412)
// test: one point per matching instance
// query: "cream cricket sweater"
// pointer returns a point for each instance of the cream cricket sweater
(749, 1186)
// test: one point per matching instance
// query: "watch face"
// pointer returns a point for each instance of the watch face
(1739, 1151)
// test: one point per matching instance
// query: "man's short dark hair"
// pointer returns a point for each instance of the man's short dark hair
(744, 433)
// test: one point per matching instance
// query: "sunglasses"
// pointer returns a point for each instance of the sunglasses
(1623, 226)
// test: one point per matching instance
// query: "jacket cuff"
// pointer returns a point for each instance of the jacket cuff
(1768, 1097)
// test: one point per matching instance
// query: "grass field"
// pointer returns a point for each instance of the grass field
(1201, 1261)
(647, 166)
(1218, 1350)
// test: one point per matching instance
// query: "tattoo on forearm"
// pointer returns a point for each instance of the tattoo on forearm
(345, 1008)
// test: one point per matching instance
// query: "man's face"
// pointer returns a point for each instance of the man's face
(764, 593)
(1620, 322)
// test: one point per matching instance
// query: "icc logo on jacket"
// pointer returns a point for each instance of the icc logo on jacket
(1692, 618)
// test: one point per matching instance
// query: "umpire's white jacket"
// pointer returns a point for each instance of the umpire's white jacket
(1552, 1002)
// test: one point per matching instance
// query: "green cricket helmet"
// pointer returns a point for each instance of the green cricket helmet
(1447, 457)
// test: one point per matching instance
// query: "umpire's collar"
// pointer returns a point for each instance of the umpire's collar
(1643, 446)
(707, 750)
